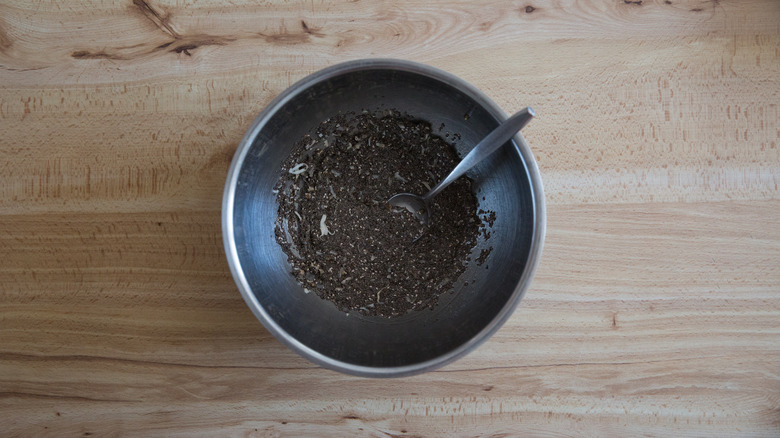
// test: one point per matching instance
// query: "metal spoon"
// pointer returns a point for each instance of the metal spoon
(420, 205)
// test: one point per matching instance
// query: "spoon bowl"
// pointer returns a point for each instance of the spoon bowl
(417, 205)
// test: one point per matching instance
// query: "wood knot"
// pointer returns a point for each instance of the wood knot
(310, 31)
(529, 9)
(185, 49)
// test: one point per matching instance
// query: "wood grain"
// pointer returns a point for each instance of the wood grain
(655, 310)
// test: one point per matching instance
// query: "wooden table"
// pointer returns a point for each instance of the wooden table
(656, 307)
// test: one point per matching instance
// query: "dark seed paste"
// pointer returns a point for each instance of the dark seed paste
(342, 239)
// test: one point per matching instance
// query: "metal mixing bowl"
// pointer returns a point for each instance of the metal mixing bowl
(375, 346)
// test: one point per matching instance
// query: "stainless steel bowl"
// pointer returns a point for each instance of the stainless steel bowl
(374, 346)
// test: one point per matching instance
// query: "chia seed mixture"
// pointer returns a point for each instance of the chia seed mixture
(342, 239)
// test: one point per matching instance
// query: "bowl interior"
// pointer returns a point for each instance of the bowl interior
(503, 186)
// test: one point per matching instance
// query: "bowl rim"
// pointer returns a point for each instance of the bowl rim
(537, 238)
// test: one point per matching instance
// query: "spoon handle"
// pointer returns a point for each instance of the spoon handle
(484, 148)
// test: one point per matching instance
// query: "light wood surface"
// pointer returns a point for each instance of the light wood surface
(655, 310)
